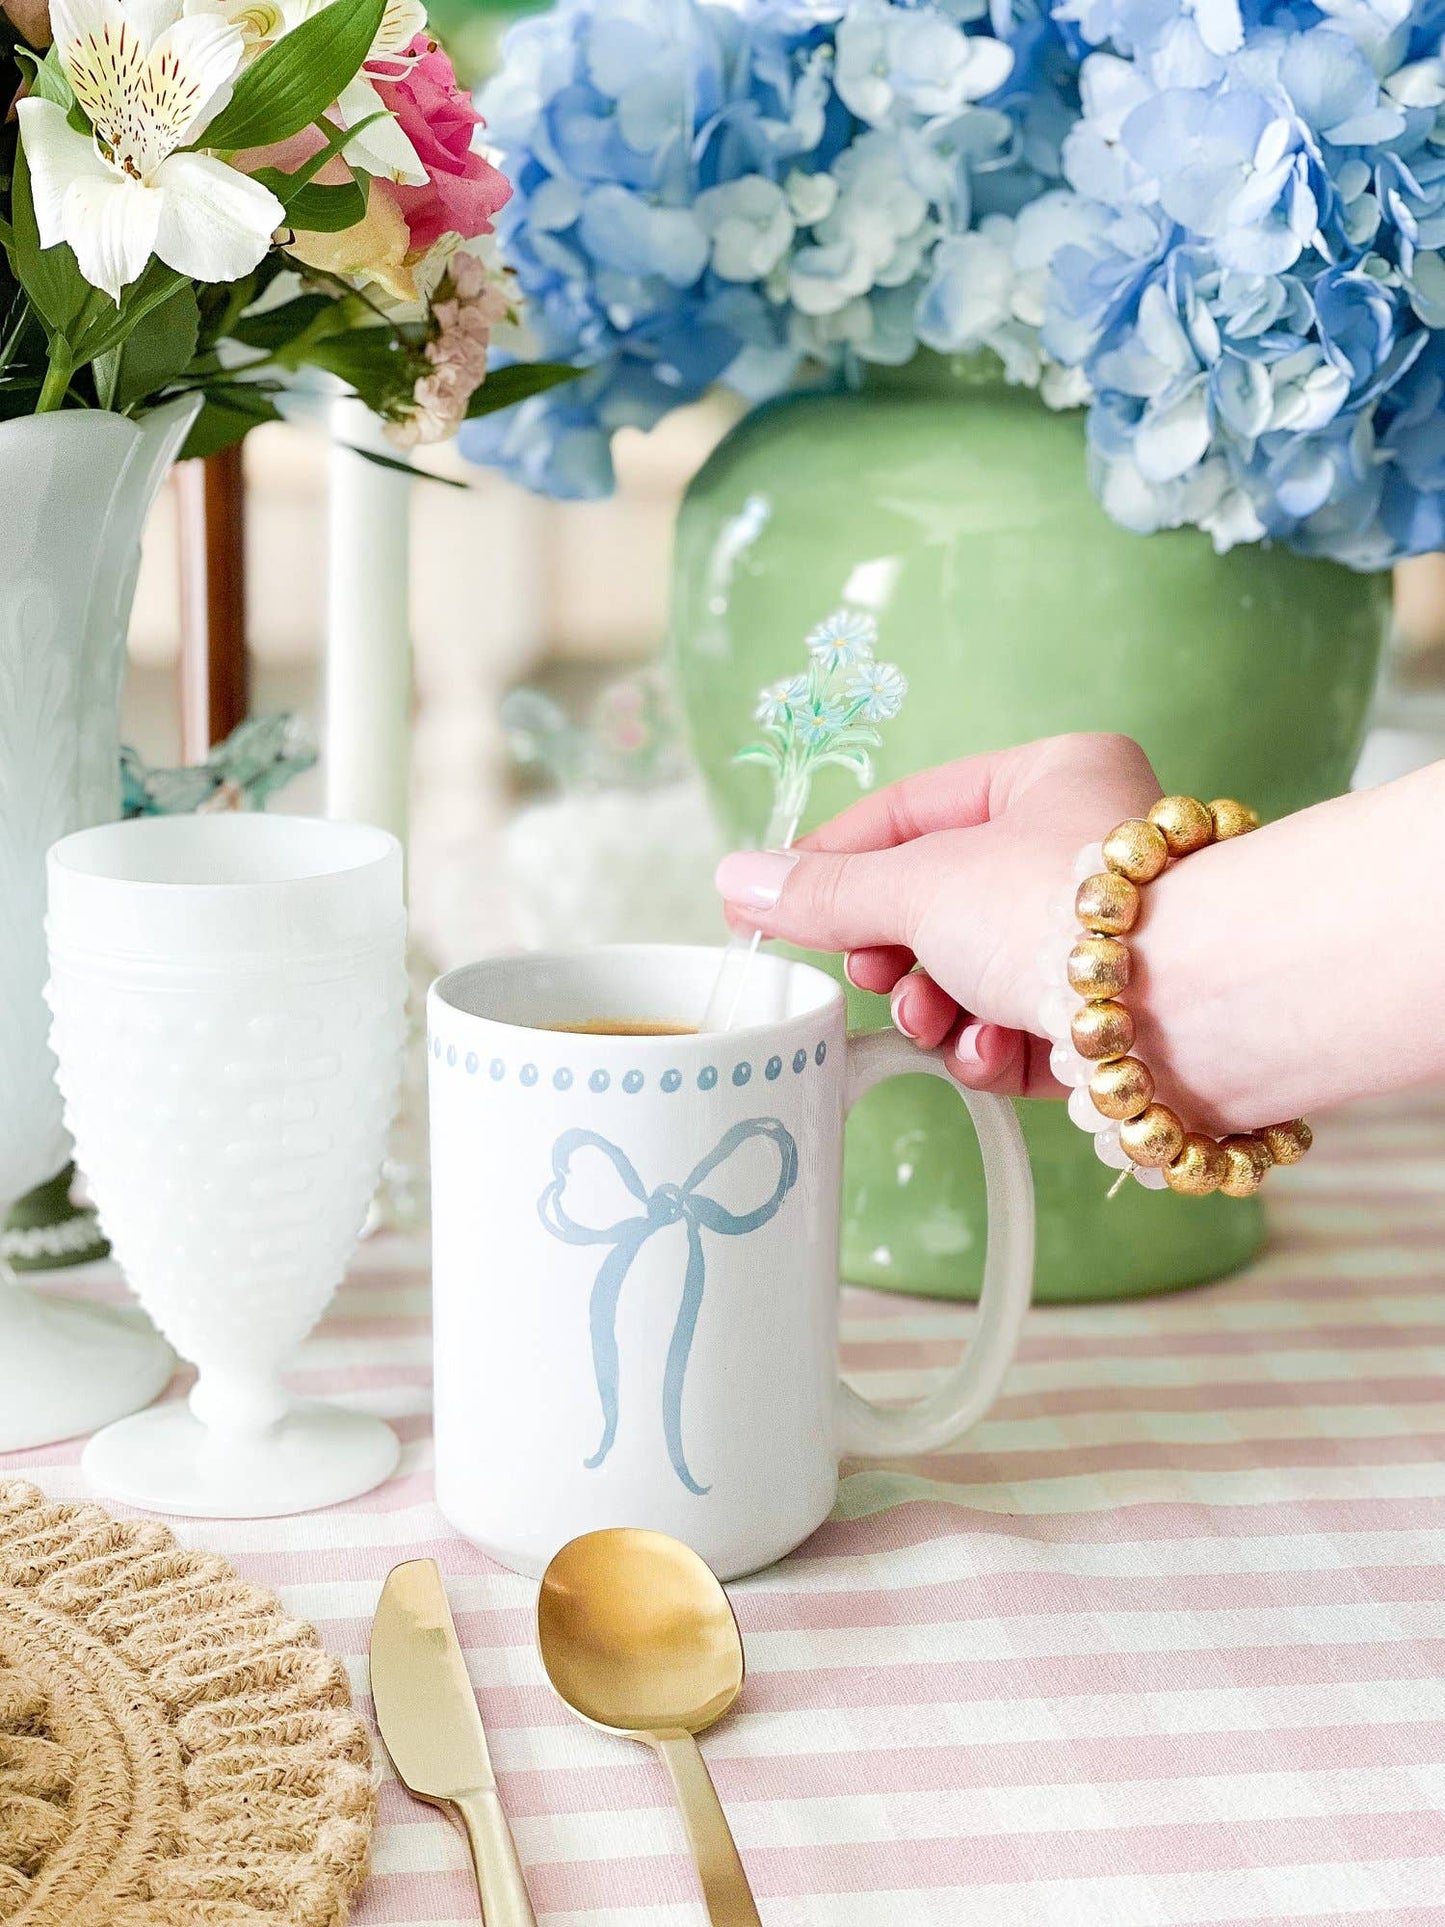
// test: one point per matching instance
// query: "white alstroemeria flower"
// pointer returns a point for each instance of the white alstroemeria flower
(149, 82)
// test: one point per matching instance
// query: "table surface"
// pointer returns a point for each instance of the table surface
(1162, 1642)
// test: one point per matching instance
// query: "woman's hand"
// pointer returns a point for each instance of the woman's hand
(938, 889)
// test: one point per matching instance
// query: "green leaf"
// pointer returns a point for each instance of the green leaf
(58, 291)
(404, 467)
(273, 328)
(856, 734)
(230, 414)
(856, 760)
(317, 210)
(407, 469)
(518, 381)
(759, 753)
(337, 139)
(321, 210)
(45, 79)
(373, 361)
(114, 324)
(157, 350)
(299, 78)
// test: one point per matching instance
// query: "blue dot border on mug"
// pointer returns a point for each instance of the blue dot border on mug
(601, 1083)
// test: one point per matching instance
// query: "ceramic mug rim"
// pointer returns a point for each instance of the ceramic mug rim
(824, 1006)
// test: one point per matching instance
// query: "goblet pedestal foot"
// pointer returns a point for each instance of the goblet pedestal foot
(67, 1367)
(165, 1460)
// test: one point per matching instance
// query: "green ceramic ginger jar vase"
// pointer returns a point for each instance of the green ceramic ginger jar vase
(958, 510)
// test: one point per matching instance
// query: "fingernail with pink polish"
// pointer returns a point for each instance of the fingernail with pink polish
(966, 1049)
(754, 879)
(901, 1000)
(848, 970)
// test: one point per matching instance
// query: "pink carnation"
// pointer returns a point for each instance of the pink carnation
(463, 191)
(468, 304)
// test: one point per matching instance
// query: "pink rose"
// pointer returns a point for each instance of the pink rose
(463, 191)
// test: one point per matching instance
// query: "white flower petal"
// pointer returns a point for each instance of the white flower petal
(104, 58)
(76, 20)
(111, 224)
(189, 74)
(58, 156)
(151, 18)
(215, 223)
(1171, 439)
(402, 21)
(1111, 89)
(381, 149)
(1421, 84)
(1219, 25)
(988, 66)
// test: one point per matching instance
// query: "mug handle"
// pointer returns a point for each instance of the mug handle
(876, 1431)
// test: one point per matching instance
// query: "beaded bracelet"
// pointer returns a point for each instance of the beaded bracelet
(1093, 1044)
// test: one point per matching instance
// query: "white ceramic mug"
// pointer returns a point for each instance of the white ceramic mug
(636, 1249)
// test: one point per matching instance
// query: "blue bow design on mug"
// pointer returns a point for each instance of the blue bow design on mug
(669, 1204)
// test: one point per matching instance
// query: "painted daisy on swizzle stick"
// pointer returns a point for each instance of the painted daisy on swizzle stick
(827, 716)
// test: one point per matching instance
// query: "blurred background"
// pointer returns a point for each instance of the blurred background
(566, 599)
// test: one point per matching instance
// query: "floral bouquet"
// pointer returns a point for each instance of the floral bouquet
(203, 196)
(1218, 224)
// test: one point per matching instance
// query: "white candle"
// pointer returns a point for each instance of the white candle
(368, 646)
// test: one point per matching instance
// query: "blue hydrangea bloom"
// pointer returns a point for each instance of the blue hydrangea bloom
(1219, 223)
(733, 193)
(1252, 282)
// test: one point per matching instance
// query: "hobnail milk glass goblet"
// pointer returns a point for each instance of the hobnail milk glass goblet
(228, 996)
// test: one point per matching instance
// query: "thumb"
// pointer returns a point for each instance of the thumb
(822, 901)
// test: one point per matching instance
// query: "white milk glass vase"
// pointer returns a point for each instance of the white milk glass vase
(228, 994)
(77, 487)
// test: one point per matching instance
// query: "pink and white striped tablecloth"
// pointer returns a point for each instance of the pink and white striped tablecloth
(1161, 1643)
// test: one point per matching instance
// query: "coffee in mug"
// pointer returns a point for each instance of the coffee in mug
(624, 1027)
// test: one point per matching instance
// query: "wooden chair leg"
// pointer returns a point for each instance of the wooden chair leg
(214, 674)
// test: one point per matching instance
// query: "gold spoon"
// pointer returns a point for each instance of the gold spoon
(637, 1637)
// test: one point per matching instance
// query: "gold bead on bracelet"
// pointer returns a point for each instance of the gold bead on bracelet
(1103, 1030)
(1186, 824)
(1099, 967)
(1287, 1143)
(1108, 904)
(1201, 1166)
(1231, 818)
(1121, 1087)
(1136, 850)
(1154, 1138)
(1249, 1163)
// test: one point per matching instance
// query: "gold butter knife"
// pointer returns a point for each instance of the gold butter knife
(428, 1717)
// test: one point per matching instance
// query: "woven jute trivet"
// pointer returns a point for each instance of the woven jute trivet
(175, 1751)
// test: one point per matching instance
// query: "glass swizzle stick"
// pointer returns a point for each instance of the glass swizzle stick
(826, 715)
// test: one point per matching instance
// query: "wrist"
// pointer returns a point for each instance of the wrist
(1195, 996)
